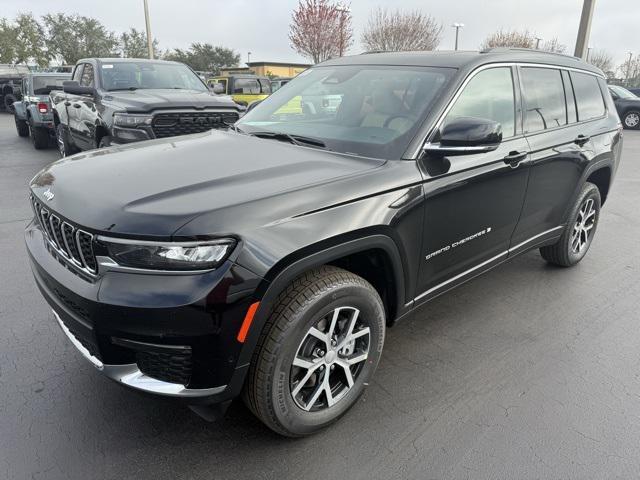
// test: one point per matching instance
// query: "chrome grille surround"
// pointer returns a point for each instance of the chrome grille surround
(73, 244)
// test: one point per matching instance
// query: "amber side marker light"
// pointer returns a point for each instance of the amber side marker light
(246, 323)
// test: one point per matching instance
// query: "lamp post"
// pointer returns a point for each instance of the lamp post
(457, 26)
(538, 39)
(343, 10)
(588, 53)
(585, 28)
(629, 67)
(148, 25)
(248, 57)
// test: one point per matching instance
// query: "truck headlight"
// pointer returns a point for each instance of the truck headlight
(169, 256)
(131, 120)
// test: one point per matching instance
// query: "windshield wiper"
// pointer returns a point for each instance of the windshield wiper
(299, 140)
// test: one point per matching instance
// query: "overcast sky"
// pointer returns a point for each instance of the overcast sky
(261, 26)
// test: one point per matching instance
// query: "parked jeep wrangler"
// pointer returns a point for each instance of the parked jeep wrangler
(33, 114)
(113, 101)
(267, 261)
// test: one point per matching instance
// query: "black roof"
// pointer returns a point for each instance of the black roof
(464, 59)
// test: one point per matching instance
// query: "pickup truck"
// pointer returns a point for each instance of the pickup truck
(111, 101)
(33, 114)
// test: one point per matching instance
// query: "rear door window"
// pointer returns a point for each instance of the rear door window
(77, 73)
(545, 104)
(588, 96)
(572, 114)
(246, 86)
(87, 76)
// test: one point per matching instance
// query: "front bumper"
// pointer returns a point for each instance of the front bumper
(104, 316)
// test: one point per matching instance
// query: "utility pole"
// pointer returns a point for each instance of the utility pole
(457, 26)
(148, 23)
(538, 39)
(585, 28)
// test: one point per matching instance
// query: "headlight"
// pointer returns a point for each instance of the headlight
(131, 120)
(170, 256)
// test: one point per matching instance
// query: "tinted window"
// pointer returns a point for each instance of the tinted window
(131, 75)
(77, 73)
(246, 86)
(43, 85)
(87, 75)
(588, 96)
(488, 95)
(544, 99)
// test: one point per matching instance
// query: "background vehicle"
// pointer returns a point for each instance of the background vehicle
(267, 261)
(244, 89)
(33, 114)
(276, 83)
(123, 100)
(635, 91)
(10, 82)
(627, 105)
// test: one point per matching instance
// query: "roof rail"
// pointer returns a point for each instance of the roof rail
(521, 49)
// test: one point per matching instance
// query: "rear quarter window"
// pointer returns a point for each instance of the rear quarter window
(588, 96)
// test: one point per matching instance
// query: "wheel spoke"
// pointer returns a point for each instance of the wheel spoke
(303, 381)
(332, 326)
(316, 394)
(302, 363)
(329, 395)
(347, 373)
(318, 334)
(360, 333)
(357, 359)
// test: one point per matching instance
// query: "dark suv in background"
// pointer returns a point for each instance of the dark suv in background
(268, 260)
(628, 106)
(113, 101)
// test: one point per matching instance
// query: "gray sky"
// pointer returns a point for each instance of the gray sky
(261, 26)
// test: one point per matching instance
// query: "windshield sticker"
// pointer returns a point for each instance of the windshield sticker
(458, 243)
(107, 66)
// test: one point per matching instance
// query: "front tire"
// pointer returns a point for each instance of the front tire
(21, 127)
(62, 141)
(40, 137)
(631, 120)
(579, 232)
(317, 352)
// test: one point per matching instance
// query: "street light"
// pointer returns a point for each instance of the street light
(343, 10)
(538, 39)
(248, 57)
(148, 25)
(457, 26)
(629, 67)
(589, 52)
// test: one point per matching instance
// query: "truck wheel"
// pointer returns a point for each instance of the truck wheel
(40, 137)
(631, 120)
(105, 142)
(62, 140)
(317, 351)
(21, 127)
(8, 102)
(578, 234)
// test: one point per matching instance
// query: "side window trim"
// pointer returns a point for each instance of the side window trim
(604, 103)
(78, 71)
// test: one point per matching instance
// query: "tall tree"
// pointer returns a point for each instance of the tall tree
(320, 29)
(72, 37)
(8, 42)
(23, 41)
(401, 31)
(509, 38)
(134, 44)
(630, 71)
(205, 57)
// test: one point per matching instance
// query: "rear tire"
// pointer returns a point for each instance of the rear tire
(40, 137)
(631, 120)
(21, 127)
(579, 232)
(299, 380)
(62, 140)
(8, 102)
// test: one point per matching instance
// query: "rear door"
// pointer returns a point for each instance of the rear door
(473, 201)
(562, 122)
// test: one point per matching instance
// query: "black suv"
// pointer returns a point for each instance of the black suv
(111, 101)
(268, 260)
(628, 106)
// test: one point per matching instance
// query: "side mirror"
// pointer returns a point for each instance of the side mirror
(466, 135)
(74, 88)
(253, 105)
(218, 88)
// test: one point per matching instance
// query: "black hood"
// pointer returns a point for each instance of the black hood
(147, 100)
(153, 188)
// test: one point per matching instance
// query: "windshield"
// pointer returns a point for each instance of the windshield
(621, 92)
(43, 85)
(364, 110)
(146, 75)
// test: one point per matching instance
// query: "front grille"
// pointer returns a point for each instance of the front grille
(174, 367)
(171, 124)
(73, 244)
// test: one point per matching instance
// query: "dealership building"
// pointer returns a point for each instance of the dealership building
(268, 69)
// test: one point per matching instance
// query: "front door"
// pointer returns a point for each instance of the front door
(473, 201)
(82, 112)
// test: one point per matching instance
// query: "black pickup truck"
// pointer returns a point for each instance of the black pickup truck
(121, 100)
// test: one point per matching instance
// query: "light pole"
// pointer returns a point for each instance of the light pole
(248, 57)
(585, 28)
(589, 53)
(629, 67)
(457, 26)
(148, 24)
(538, 39)
(343, 10)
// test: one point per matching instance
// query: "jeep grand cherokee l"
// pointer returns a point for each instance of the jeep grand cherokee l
(111, 101)
(267, 261)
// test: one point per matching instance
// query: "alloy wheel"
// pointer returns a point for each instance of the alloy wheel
(632, 120)
(584, 225)
(329, 359)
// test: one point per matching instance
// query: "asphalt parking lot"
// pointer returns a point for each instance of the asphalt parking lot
(527, 372)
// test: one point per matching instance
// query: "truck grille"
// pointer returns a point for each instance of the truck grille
(172, 124)
(73, 244)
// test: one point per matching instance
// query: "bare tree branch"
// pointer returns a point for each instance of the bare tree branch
(401, 31)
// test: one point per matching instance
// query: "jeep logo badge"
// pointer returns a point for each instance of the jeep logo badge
(48, 194)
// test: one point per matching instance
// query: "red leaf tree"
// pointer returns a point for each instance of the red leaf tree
(320, 29)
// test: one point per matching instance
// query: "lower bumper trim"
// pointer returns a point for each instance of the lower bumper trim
(131, 376)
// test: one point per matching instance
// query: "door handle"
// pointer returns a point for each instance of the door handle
(76, 105)
(514, 158)
(581, 140)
